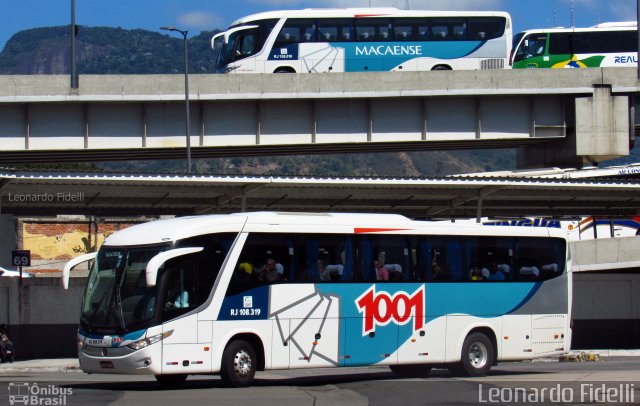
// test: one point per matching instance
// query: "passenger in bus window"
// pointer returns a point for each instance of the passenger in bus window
(440, 271)
(497, 271)
(329, 272)
(177, 296)
(382, 274)
(244, 273)
(395, 271)
(478, 274)
(268, 272)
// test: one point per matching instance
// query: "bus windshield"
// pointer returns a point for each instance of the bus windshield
(240, 44)
(117, 296)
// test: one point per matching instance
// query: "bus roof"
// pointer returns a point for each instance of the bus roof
(620, 26)
(363, 12)
(170, 230)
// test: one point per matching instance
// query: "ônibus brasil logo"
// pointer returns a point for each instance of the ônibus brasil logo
(381, 308)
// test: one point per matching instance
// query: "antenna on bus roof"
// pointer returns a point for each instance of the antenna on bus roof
(572, 15)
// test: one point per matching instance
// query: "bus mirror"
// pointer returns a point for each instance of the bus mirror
(227, 34)
(216, 40)
(66, 272)
(156, 262)
(526, 43)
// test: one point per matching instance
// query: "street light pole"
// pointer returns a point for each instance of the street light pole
(186, 92)
(74, 72)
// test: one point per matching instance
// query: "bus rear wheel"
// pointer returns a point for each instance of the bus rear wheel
(238, 364)
(284, 70)
(171, 381)
(441, 67)
(477, 356)
(410, 371)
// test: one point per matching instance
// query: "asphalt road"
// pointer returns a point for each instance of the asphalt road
(518, 383)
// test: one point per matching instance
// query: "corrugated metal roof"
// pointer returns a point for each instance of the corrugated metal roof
(541, 193)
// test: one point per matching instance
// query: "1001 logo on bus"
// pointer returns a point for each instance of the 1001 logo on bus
(380, 309)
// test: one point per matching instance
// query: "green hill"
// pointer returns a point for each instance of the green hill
(103, 50)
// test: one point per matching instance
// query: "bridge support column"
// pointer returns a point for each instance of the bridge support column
(598, 131)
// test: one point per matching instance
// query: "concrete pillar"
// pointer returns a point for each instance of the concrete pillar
(598, 130)
(7, 239)
(602, 125)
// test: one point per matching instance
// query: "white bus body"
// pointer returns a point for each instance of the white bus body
(325, 306)
(366, 39)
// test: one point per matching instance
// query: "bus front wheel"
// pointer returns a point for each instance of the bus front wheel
(284, 70)
(171, 381)
(410, 371)
(477, 356)
(238, 364)
(441, 67)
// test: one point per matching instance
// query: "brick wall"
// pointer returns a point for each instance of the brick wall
(53, 242)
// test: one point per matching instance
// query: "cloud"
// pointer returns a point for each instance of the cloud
(621, 10)
(281, 3)
(200, 20)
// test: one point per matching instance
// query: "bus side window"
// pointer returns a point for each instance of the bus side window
(403, 33)
(486, 28)
(440, 32)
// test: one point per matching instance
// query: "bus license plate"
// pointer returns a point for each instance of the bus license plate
(106, 364)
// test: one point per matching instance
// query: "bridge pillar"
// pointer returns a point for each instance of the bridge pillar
(598, 130)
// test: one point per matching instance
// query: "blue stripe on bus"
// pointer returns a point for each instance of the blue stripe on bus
(384, 56)
(481, 299)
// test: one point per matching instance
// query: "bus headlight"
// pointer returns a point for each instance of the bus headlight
(137, 345)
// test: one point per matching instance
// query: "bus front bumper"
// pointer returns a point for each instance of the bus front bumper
(121, 360)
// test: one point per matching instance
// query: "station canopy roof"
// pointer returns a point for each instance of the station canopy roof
(559, 193)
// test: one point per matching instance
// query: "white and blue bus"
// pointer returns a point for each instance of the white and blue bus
(366, 39)
(240, 293)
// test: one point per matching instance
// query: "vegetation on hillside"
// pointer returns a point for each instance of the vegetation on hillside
(103, 50)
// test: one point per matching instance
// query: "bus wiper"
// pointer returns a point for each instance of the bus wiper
(119, 304)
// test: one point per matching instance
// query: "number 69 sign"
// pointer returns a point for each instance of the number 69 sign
(21, 258)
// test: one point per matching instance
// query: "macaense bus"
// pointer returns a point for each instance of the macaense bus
(368, 39)
(191, 295)
(605, 45)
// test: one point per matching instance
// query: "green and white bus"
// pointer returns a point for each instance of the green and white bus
(604, 45)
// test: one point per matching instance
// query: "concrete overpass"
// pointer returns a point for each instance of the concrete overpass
(556, 117)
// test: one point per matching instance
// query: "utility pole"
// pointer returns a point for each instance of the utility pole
(74, 72)
(186, 92)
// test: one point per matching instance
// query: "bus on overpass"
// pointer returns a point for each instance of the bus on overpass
(358, 40)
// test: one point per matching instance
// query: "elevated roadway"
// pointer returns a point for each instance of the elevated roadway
(557, 117)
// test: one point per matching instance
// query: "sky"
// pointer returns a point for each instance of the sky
(199, 15)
